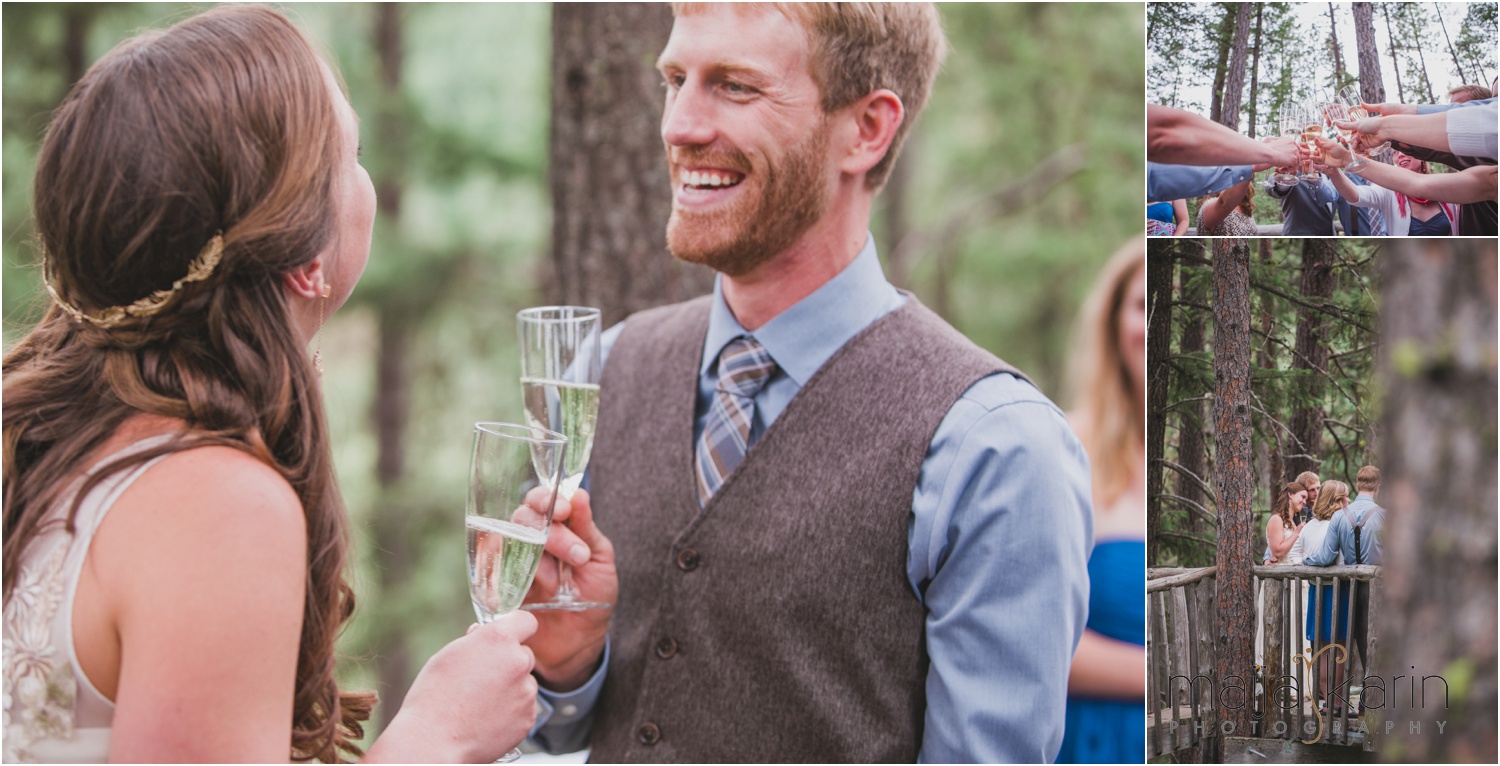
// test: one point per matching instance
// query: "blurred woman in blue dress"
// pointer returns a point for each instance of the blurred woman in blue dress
(1106, 718)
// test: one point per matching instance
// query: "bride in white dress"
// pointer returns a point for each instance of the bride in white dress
(175, 544)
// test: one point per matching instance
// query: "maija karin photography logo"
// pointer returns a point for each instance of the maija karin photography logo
(1287, 692)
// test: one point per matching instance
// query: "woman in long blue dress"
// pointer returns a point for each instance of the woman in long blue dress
(1327, 617)
(1106, 715)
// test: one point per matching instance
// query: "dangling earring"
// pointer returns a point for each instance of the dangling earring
(318, 352)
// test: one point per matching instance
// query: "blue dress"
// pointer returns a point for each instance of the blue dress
(1109, 730)
(1325, 602)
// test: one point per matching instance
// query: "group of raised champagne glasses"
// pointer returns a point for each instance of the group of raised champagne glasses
(1321, 119)
(516, 472)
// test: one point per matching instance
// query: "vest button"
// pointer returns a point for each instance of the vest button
(688, 559)
(648, 734)
(666, 648)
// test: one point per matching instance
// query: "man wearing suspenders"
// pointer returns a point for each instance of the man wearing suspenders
(1355, 532)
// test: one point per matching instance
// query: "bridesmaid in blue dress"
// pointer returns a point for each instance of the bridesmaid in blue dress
(1106, 714)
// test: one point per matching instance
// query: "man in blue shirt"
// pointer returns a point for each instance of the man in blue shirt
(1306, 208)
(1355, 533)
(776, 152)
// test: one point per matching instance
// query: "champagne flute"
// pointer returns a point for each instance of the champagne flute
(513, 478)
(560, 368)
(1291, 127)
(1312, 129)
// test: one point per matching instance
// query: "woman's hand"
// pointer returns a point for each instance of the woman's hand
(473, 701)
(1334, 154)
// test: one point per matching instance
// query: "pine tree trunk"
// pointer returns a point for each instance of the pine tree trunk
(1275, 468)
(1234, 82)
(1234, 627)
(1439, 609)
(1457, 65)
(1221, 71)
(1416, 34)
(1311, 357)
(1159, 276)
(1371, 84)
(1390, 34)
(391, 408)
(1191, 446)
(610, 192)
(1255, 71)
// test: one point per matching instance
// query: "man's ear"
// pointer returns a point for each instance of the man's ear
(307, 280)
(875, 119)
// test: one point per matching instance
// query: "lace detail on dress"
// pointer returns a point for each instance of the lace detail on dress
(38, 683)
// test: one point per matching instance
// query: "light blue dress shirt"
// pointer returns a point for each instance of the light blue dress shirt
(1340, 535)
(1435, 108)
(999, 536)
(1172, 182)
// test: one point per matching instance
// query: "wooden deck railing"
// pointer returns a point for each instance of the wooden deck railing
(1183, 689)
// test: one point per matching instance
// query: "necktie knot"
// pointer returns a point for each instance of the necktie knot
(744, 367)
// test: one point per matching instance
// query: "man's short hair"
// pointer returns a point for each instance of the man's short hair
(1368, 479)
(1475, 92)
(1307, 479)
(859, 48)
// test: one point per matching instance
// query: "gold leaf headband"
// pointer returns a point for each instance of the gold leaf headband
(198, 270)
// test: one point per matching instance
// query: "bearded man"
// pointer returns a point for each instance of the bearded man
(843, 531)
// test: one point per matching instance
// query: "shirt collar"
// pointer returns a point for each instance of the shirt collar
(804, 336)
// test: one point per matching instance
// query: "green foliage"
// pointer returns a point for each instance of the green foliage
(1348, 399)
(1012, 93)
(1477, 42)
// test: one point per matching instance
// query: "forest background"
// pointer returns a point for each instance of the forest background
(516, 153)
(1314, 396)
(1240, 64)
(1267, 358)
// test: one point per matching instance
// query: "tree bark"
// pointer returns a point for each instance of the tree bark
(1159, 275)
(1390, 33)
(1439, 586)
(610, 190)
(77, 19)
(390, 409)
(1191, 446)
(1255, 71)
(1311, 358)
(1371, 84)
(1235, 619)
(1275, 467)
(1234, 83)
(1221, 71)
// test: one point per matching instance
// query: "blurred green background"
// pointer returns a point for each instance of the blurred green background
(1023, 175)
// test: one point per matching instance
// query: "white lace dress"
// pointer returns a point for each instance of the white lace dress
(52, 713)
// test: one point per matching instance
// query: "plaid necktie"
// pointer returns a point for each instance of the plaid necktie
(744, 368)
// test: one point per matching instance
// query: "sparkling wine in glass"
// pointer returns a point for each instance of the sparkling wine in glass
(513, 483)
(560, 368)
(1291, 127)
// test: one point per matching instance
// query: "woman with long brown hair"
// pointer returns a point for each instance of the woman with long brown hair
(1106, 687)
(175, 543)
(1282, 529)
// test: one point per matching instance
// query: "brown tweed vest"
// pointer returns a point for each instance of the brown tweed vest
(776, 624)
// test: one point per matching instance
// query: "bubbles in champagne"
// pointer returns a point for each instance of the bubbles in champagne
(503, 558)
(570, 409)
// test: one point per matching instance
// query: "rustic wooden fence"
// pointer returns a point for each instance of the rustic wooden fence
(1183, 691)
